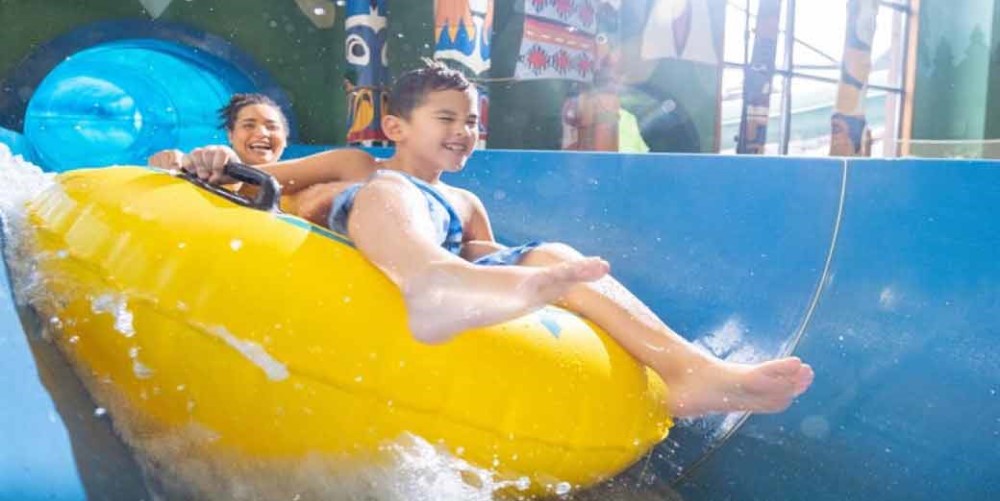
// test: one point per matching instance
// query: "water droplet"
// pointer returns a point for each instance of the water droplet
(141, 370)
(563, 488)
(100, 411)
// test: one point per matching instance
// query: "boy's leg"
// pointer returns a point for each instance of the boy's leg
(444, 294)
(699, 383)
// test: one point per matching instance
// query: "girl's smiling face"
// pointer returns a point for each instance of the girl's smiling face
(259, 135)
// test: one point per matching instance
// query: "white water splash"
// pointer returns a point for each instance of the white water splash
(255, 353)
(20, 181)
(117, 307)
(729, 342)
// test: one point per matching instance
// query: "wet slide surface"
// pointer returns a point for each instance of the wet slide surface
(881, 274)
(57, 445)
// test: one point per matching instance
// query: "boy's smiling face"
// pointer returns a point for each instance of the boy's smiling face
(442, 131)
(258, 134)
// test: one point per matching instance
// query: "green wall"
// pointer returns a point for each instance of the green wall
(953, 81)
(993, 102)
(308, 63)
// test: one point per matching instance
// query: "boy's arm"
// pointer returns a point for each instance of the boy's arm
(477, 234)
(477, 224)
(293, 175)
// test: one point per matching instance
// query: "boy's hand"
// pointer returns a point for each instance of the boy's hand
(167, 159)
(209, 162)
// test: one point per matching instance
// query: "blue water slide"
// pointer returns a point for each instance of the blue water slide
(57, 445)
(114, 92)
(882, 274)
(906, 348)
(729, 251)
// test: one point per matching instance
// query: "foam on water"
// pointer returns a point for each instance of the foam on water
(175, 461)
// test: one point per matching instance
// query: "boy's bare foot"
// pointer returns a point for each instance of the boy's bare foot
(716, 386)
(450, 297)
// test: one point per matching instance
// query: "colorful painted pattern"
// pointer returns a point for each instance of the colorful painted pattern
(462, 31)
(580, 15)
(368, 70)
(552, 51)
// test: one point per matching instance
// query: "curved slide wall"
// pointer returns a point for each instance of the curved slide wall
(882, 274)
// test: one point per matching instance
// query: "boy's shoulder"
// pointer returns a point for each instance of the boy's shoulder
(457, 191)
(467, 197)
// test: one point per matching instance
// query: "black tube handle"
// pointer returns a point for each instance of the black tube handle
(268, 194)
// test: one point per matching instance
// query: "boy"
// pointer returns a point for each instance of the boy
(435, 243)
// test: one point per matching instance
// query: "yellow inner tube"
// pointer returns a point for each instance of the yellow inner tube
(280, 340)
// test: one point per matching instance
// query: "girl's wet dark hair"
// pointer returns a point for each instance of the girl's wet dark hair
(413, 86)
(229, 112)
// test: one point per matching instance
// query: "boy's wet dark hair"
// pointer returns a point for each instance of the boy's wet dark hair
(411, 87)
(229, 112)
